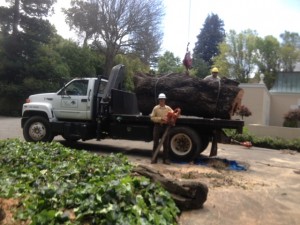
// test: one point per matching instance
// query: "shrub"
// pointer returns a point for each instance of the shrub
(269, 142)
(244, 112)
(291, 118)
(293, 114)
(290, 123)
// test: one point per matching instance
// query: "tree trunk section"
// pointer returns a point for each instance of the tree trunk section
(187, 195)
(195, 97)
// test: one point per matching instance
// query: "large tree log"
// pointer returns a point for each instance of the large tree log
(195, 97)
(187, 195)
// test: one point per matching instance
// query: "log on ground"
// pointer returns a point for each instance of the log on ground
(195, 96)
(187, 195)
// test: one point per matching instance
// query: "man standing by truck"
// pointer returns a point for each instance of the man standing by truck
(159, 117)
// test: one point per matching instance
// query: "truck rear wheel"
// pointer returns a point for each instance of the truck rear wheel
(37, 128)
(184, 144)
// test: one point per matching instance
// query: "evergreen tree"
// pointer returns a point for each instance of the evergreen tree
(206, 48)
(24, 29)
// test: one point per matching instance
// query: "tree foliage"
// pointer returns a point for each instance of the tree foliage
(237, 55)
(33, 58)
(244, 54)
(268, 58)
(24, 30)
(289, 51)
(168, 63)
(119, 26)
(292, 118)
(132, 65)
(206, 47)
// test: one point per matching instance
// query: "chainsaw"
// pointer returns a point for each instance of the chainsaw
(247, 144)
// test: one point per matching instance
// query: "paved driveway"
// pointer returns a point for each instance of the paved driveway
(10, 127)
(267, 193)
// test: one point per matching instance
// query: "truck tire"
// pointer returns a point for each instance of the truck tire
(37, 128)
(184, 144)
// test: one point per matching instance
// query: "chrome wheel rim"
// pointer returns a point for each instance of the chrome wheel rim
(37, 131)
(181, 144)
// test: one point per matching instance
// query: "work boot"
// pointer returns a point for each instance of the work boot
(166, 161)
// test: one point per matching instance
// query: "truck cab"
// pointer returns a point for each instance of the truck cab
(72, 102)
(77, 101)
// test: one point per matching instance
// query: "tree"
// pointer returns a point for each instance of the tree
(23, 29)
(268, 58)
(289, 51)
(200, 68)
(168, 63)
(81, 61)
(119, 26)
(82, 17)
(147, 45)
(133, 65)
(237, 55)
(290, 38)
(206, 47)
(222, 61)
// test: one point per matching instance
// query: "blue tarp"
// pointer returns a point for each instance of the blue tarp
(230, 164)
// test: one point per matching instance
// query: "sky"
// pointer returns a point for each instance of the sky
(184, 19)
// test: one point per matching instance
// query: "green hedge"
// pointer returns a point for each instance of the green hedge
(266, 142)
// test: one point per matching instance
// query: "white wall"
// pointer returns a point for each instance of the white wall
(257, 99)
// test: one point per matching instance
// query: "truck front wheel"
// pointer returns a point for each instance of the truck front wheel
(36, 129)
(184, 144)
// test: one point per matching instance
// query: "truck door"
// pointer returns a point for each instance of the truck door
(72, 101)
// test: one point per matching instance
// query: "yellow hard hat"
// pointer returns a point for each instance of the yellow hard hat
(215, 70)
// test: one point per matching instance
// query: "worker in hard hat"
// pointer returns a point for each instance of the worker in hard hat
(214, 75)
(159, 117)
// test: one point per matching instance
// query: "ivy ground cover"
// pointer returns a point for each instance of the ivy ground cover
(57, 185)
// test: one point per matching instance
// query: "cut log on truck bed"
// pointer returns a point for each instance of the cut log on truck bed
(195, 96)
(186, 194)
